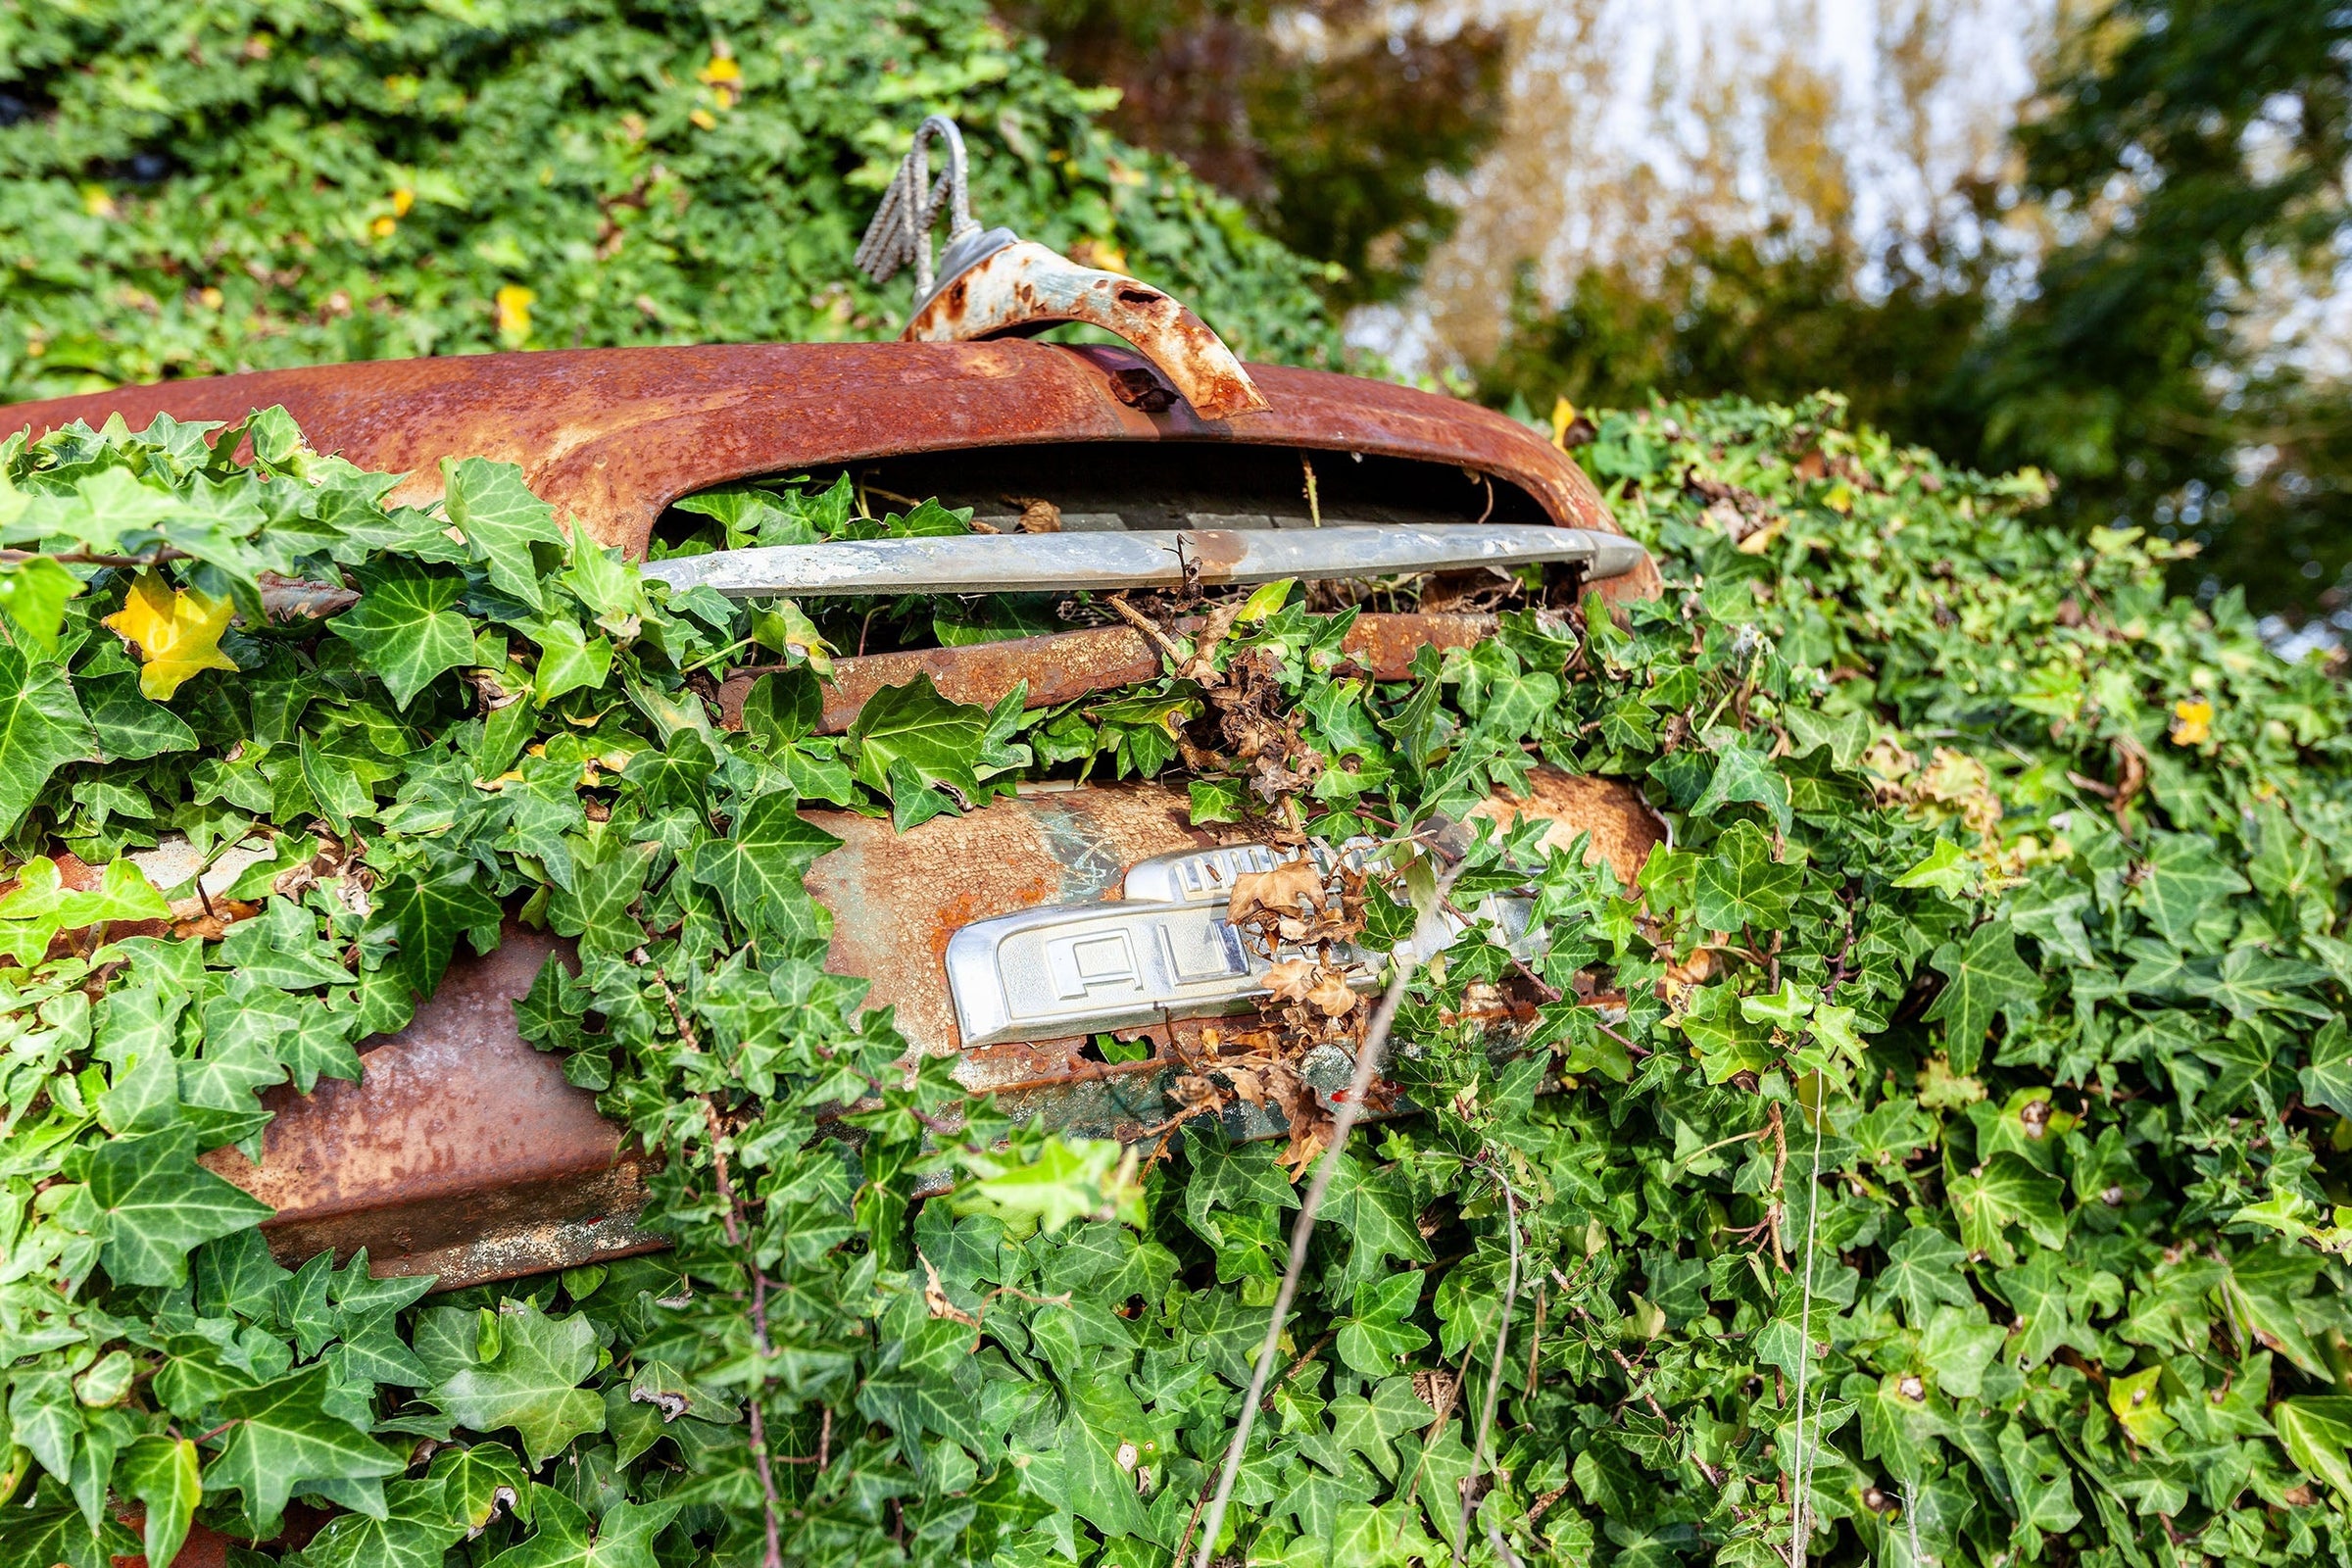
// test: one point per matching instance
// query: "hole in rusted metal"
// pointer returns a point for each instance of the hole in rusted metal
(1139, 388)
(1145, 485)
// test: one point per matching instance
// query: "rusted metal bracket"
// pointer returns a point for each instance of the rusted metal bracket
(993, 283)
(1025, 288)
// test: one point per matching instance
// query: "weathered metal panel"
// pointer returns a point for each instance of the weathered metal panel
(1065, 665)
(612, 436)
(462, 1152)
(1118, 562)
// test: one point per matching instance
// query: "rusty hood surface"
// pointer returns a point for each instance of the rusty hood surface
(612, 436)
(463, 1153)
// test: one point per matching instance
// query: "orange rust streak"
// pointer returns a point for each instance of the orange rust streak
(1070, 664)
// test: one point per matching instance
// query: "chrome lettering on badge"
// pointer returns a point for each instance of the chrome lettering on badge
(1164, 949)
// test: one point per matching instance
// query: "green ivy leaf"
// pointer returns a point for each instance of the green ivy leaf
(2316, 1431)
(569, 659)
(1741, 885)
(41, 728)
(415, 1531)
(1957, 1346)
(1377, 1334)
(2328, 1078)
(757, 869)
(127, 726)
(2007, 1191)
(159, 1206)
(501, 521)
(479, 1478)
(425, 911)
(596, 908)
(913, 724)
(34, 595)
(2184, 881)
(1948, 869)
(1923, 1272)
(532, 1384)
(406, 626)
(161, 1472)
(565, 1538)
(1741, 777)
(1102, 1442)
(1983, 976)
(280, 1440)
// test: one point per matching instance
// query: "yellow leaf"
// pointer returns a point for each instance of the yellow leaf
(704, 119)
(1841, 498)
(515, 313)
(2192, 721)
(1764, 538)
(176, 633)
(1563, 414)
(1100, 254)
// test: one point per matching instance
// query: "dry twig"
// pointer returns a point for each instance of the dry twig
(1367, 1067)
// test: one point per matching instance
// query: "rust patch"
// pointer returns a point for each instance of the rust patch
(897, 897)
(462, 1152)
(1215, 551)
(1023, 287)
(1623, 830)
(1065, 665)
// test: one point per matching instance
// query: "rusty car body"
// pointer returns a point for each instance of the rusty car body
(463, 1153)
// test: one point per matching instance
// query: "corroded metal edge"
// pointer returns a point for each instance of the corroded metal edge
(1062, 666)
(612, 436)
(1024, 287)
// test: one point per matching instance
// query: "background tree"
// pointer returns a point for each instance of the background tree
(1327, 118)
(2186, 172)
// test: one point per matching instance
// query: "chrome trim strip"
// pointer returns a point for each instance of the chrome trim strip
(1108, 561)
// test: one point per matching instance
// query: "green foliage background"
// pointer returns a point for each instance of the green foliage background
(1963, 1162)
(2178, 151)
(231, 185)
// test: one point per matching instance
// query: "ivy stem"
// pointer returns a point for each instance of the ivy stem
(771, 1505)
(708, 659)
(1367, 1067)
(1799, 1536)
(730, 1217)
(89, 558)
(1502, 1338)
(1713, 1475)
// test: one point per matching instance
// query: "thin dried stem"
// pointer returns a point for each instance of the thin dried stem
(1367, 1067)
(772, 1506)
(1502, 1336)
(1798, 1535)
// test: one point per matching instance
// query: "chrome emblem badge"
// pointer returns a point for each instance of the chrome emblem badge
(1162, 950)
